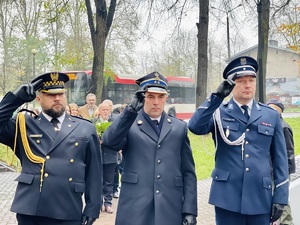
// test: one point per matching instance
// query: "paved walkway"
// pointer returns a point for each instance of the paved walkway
(8, 186)
(205, 211)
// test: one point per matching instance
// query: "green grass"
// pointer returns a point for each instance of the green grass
(202, 146)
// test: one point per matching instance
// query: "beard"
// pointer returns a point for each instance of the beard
(55, 114)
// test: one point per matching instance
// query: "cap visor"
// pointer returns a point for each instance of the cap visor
(246, 73)
(54, 91)
(157, 90)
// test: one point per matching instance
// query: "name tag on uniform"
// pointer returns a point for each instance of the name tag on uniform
(35, 135)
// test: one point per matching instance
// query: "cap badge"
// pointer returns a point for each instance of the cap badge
(54, 77)
(156, 76)
(243, 61)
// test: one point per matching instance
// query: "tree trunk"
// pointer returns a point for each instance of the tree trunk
(202, 26)
(99, 24)
(263, 9)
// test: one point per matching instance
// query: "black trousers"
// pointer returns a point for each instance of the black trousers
(108, 183)
(225, 217)
(41, 220)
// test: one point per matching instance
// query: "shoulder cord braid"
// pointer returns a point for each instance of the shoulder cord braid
(20, 120)
(239, 141)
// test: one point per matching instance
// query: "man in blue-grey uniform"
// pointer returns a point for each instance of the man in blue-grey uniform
(249, 146)
(60, 156)
(159, 184)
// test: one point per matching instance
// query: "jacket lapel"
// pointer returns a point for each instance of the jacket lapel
(66, 129)
(235, 111)
(145, 127)
(47, 126)
(166, 128)
(255, 112)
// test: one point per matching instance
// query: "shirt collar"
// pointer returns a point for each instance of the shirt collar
(158, 118)
(60, 119)
(250, 104)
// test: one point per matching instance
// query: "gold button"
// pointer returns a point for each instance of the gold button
(70, 179)
(47, 157)
(76, 144)
(38, 141)
(71, 160)
(46, 175)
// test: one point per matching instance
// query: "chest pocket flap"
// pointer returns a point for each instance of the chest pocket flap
(265, 130)
(230, 124)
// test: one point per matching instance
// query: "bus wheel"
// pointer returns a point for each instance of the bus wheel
(172, 113)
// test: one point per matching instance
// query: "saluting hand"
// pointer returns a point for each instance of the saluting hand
(137, 101)
(26, 92)
(225, 87)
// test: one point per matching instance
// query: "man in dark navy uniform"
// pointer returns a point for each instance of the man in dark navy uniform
(249, 146)
(60, 156)
(159, 185)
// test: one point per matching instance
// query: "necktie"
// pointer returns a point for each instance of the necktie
(155, 122)
(55, 122)
(245, 108)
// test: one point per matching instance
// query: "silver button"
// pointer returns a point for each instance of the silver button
(158, 161)
(247, 169)
(158, 176)
(158, 146)
(216, 177)
(246, 142)
(246, 156)
(247, 130)
(157, 191)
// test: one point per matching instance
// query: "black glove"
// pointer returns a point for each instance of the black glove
(86, 220)
(189, 219)
(26, 92)
(225, 88)
(276, 212)
(137, 101)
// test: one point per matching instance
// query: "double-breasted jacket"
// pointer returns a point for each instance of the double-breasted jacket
(72, 166)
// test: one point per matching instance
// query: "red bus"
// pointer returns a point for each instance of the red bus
(181, 99)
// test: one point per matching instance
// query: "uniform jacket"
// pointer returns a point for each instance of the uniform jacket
(72, 166)
(84, 112)
(288, 136)
(158, 182)
(242, 180)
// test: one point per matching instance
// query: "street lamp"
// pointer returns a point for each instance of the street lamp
(33, 51)
(227, 25)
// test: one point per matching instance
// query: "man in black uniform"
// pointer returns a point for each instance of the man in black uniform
(159, 185)
(60, 156)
